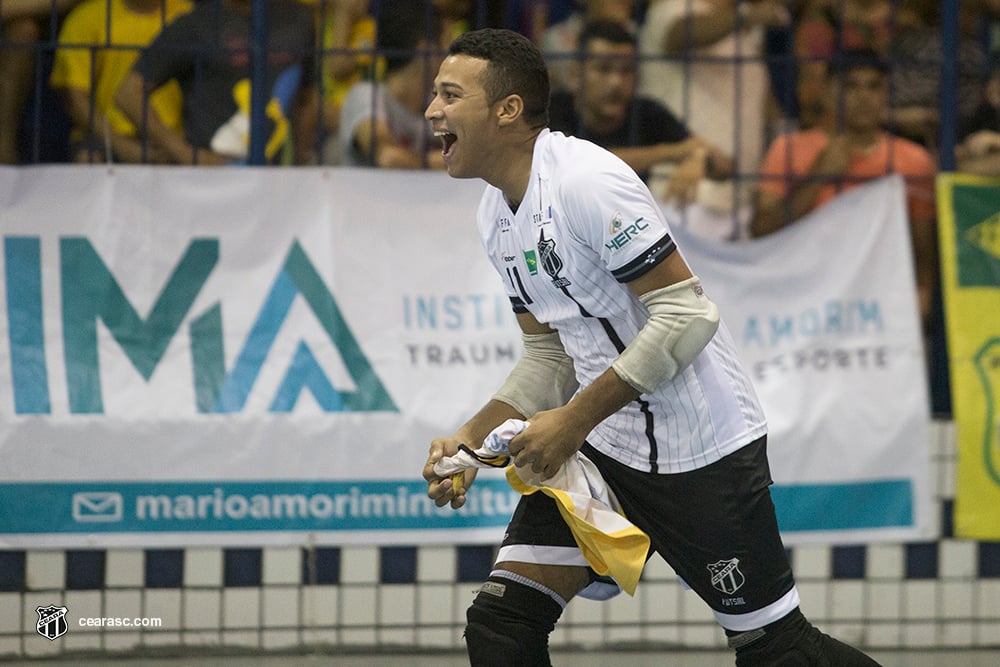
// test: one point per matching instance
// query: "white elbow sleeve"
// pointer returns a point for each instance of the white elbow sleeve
(681, 322)
(543, 377)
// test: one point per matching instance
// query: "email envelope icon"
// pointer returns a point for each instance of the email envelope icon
(97, 506)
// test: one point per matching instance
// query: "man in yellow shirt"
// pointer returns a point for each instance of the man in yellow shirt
(347, 33)
(114, 31)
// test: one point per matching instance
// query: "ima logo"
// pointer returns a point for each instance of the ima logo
(89, 292)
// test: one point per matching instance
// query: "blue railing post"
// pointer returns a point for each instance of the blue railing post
(258, 82)
(949, 84)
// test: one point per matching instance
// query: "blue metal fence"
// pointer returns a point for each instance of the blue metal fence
(44, 126)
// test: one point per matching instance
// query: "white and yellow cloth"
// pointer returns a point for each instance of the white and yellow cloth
(611, 544)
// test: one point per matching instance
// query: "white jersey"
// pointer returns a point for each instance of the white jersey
(586, 226)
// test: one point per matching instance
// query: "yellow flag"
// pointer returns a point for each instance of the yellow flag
(969, 233)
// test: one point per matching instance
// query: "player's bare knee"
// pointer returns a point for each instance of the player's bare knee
(509, 622)
(563, 580)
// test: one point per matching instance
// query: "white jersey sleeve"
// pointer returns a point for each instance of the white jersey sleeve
(610, 210)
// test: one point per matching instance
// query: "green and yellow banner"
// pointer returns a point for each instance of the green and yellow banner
(969, 230)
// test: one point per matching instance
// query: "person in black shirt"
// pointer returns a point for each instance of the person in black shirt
(605, 110)
(208, 53)
(979, 149)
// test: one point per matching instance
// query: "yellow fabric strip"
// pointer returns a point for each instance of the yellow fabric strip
(611, 544)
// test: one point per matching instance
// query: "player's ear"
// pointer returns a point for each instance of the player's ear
(509, 109)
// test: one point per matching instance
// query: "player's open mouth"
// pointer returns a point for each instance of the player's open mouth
(448, 140)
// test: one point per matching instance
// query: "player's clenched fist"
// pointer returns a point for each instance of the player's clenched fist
(443, 490)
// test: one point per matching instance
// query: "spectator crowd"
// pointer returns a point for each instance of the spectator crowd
(169, 81)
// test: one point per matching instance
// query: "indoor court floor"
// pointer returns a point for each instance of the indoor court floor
(623, 658)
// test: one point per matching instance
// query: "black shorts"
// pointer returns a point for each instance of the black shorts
(715, 526)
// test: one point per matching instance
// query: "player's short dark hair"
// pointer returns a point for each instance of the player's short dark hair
(848, 60)
(609, 31)
(400, 26)
(514, 67)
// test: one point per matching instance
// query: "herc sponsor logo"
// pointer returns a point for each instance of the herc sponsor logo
(626, 233)
(616, 222)
(90, 293)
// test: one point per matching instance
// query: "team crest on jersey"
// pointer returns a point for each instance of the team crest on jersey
(726, 575)
(550, 261)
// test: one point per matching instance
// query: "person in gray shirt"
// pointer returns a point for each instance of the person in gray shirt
(382, 122)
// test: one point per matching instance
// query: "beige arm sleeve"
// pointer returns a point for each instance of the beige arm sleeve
(681, 322)
(543, 377)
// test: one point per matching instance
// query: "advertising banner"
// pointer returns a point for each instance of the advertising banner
(241, 356)
(262, 356)
(969, 233)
